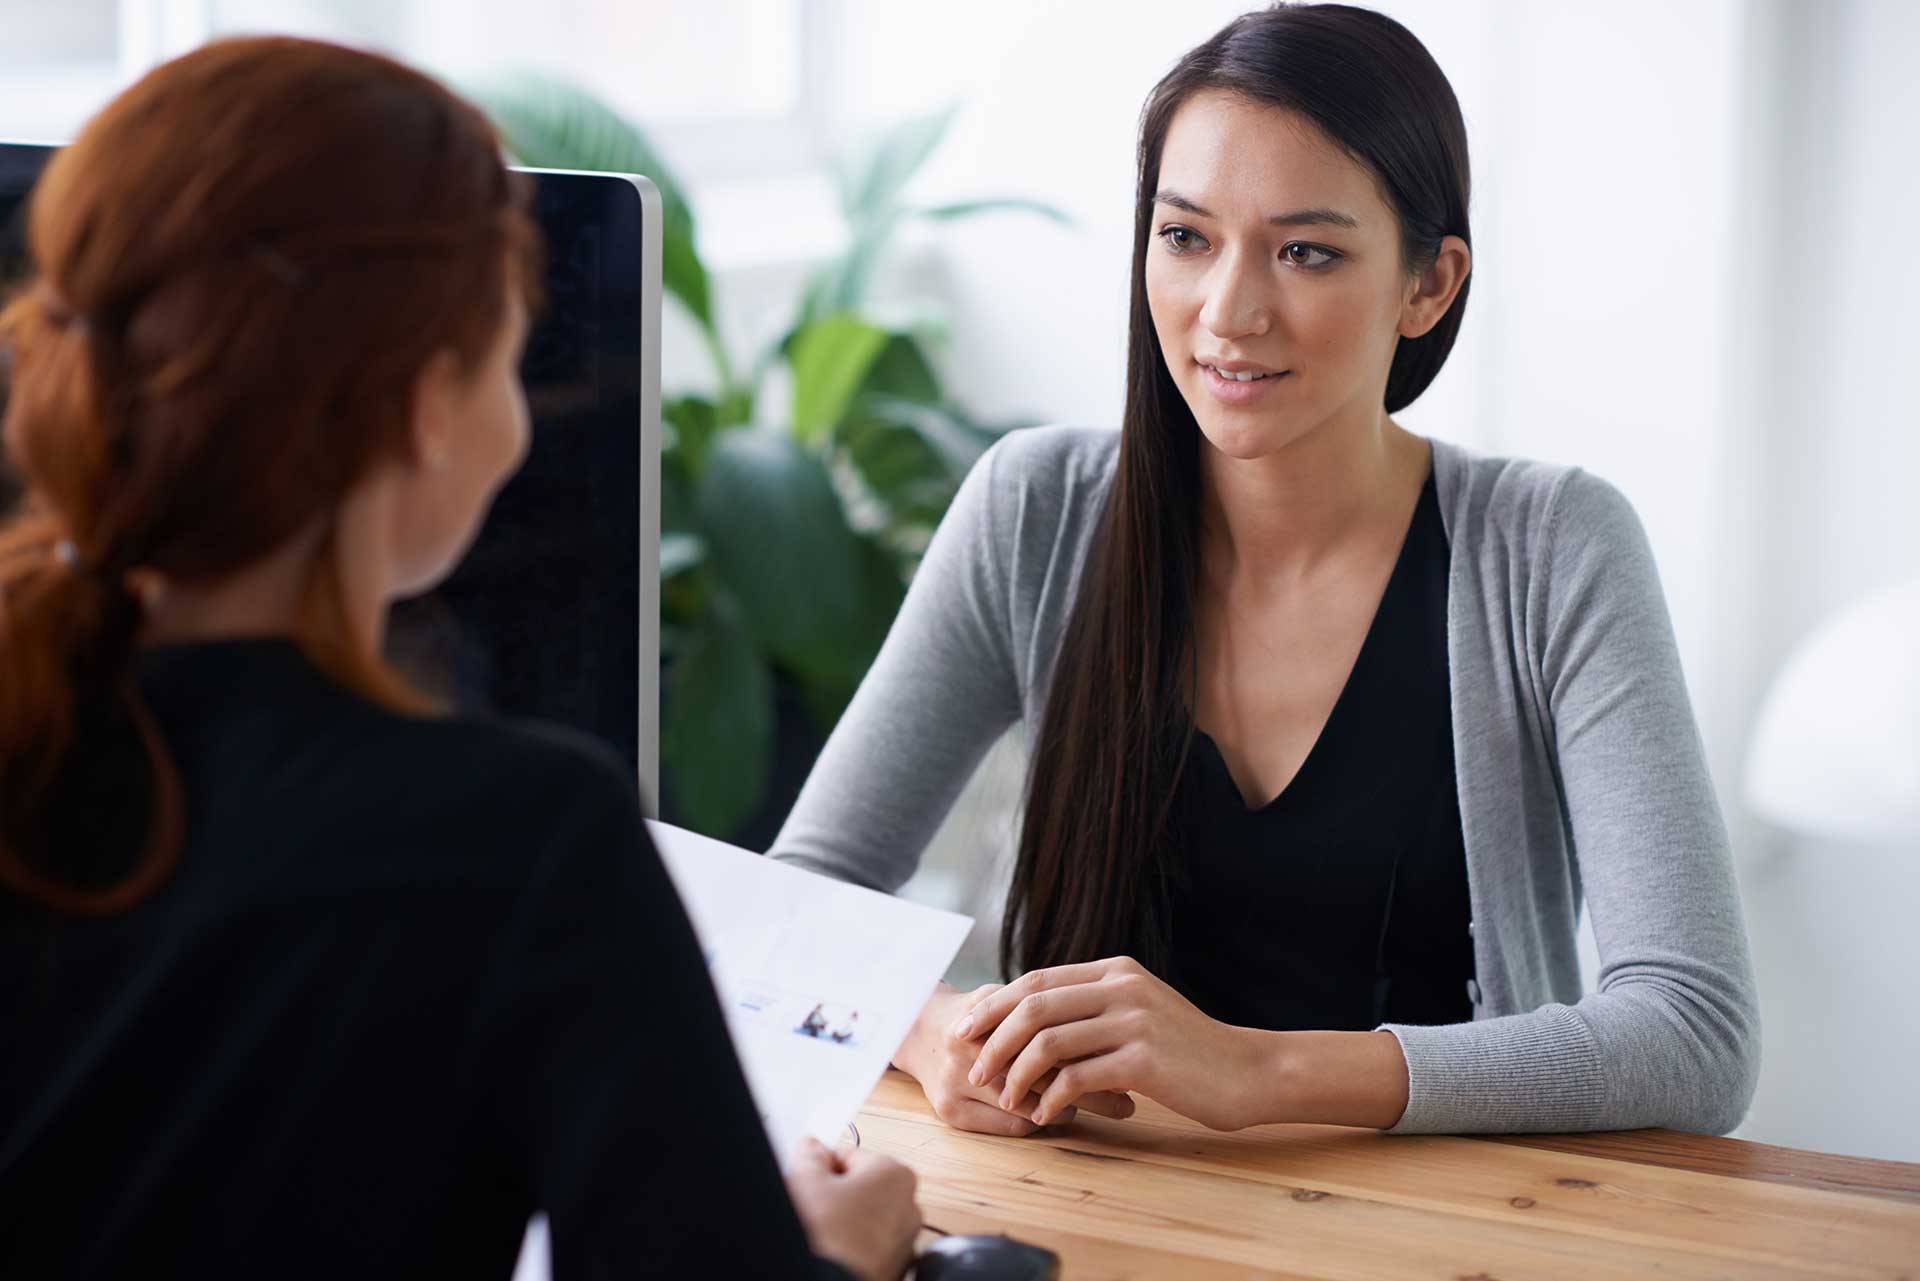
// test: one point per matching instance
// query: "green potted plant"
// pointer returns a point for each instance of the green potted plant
(787, 531)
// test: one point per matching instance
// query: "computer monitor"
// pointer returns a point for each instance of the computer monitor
(555, 612)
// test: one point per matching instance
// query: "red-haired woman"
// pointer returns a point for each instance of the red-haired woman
(297, 976)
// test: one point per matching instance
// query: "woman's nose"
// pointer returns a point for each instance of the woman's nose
(1237, 305)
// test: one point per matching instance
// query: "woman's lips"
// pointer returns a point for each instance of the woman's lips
(1230, 392)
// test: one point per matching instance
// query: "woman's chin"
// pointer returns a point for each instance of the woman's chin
(1245, 438)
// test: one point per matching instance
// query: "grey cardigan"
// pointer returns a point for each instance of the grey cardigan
(1579, 769)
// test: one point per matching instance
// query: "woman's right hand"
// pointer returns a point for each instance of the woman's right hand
(932, 1056)
(858, 1209)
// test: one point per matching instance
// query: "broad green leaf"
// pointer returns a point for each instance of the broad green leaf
(831, 358)
(882, 588)
(778, 539)
(956, 438)
(872, 177)
(902, 369)
(694, 419)
(717, 739)
(736, 407)
(993, 204)
(683, 275)
(676, 491)
(879, 589)
(549, 123)
(910, 478)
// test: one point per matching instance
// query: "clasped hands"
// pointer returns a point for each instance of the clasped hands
(1010, 1059)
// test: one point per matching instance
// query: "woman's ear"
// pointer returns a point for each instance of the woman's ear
(435, 409)
(1435, 288)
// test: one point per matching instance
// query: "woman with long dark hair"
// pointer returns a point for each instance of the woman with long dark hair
(1332, 727)
(299, 977)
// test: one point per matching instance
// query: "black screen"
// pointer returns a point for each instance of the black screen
(542, 618)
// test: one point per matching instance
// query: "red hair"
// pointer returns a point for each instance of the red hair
(241, 266)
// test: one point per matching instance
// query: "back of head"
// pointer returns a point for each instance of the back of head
(240, 267)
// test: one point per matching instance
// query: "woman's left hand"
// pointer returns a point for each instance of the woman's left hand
(1111, 1025)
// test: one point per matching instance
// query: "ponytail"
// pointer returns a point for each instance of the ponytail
(67, 635)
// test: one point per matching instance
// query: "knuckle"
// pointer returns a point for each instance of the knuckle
(981, 995)
(1036, 1006)
(1048, 1041)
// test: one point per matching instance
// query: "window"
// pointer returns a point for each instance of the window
(59, 62)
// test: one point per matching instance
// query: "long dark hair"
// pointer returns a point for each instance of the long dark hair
(1098, 848)
(239, 269)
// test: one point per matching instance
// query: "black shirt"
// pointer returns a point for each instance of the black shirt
(412, 979)
(1342, 903)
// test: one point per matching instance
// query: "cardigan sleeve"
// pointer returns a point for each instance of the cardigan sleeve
(1671, 1035)
(941, 691)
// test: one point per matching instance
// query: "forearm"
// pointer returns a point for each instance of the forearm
(1329, 1078)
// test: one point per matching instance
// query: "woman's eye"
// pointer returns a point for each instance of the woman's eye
(1182, 240)
(1299, 253)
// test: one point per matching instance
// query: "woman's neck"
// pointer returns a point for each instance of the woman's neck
(271, 597)
(274, 596)
(1284, 514)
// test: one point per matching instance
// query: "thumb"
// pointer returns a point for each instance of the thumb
(984, 1118)
(813, 1154)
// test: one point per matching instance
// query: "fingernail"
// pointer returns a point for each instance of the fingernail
(1039, 1117)
(976, 1076)
(963, 1029)
(1006, 1099)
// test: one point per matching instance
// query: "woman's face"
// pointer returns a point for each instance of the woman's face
(471, 434)
(1272, 257)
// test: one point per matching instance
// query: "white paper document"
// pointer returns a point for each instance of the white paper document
(820, 980)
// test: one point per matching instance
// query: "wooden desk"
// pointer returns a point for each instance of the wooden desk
(1161, 1196)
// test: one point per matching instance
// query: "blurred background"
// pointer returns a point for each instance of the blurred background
(1694, 228)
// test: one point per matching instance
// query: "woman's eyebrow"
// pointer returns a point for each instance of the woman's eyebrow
(1294, 218)
(1314, 217)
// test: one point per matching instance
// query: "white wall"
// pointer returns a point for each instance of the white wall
(1834, 516)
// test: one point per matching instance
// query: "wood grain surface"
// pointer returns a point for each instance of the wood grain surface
(1160, 1196)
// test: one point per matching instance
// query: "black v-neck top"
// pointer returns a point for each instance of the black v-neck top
(1342, 903)
(412, 979)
